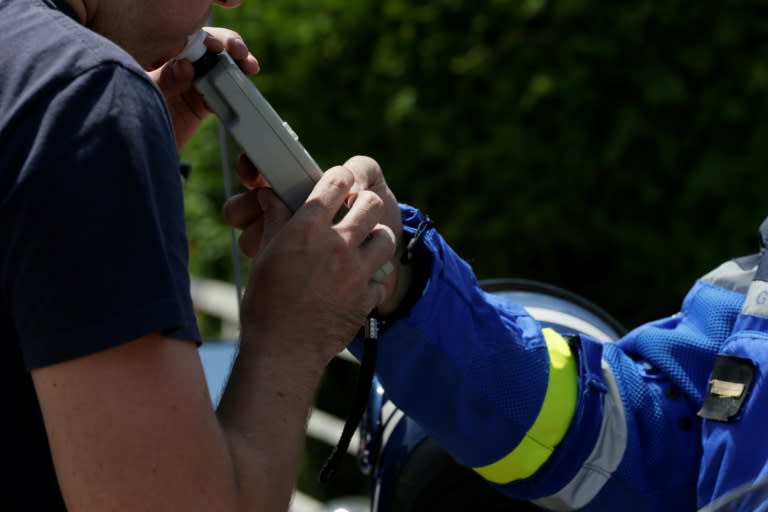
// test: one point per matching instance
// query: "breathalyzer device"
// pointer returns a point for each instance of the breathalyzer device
(268, 141)
(264, 137)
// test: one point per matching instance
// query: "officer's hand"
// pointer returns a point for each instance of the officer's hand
(244, 212)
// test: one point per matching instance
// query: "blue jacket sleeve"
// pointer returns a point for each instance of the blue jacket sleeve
(468, 366)
(472, 369)
(450, 339)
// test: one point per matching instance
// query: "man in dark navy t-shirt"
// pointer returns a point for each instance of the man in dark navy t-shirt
(106, 406)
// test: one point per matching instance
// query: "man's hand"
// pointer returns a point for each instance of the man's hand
(310, 285)
(175, 77)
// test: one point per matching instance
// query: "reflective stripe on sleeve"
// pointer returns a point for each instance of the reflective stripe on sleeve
(604, 459)
(552, 422)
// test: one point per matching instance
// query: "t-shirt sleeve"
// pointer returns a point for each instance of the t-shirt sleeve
(96, 250)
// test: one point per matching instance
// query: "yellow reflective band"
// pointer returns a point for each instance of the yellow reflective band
(551, 424)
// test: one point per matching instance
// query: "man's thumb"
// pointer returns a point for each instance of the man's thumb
(174, 77)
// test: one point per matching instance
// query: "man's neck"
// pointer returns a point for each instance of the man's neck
(80, 8)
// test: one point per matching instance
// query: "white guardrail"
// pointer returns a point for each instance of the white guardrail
(219, 300)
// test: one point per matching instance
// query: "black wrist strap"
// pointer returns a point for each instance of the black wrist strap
(410, 247)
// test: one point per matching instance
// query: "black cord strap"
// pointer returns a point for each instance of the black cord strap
(363, 389)
(368, 362)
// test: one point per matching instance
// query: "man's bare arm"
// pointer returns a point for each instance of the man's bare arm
(133, 427)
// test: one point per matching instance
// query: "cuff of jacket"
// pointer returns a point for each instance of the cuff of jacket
(469, 367)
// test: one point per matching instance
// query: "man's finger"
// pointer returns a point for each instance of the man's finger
(226, 39)
(276, 214)
(328, 196)
(251, 238)
(248, 174)
(242, 210)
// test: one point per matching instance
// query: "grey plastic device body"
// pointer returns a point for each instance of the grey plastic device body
(264, 137)
(268, 141)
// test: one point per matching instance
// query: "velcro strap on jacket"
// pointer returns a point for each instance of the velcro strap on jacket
(552, 422)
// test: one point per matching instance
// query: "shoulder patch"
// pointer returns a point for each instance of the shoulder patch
(729, 386)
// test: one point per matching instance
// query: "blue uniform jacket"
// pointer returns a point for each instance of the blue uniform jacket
(480, 376)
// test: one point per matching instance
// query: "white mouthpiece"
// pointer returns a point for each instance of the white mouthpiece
(195, 46)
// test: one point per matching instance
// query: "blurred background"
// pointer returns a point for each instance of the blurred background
(616, 149)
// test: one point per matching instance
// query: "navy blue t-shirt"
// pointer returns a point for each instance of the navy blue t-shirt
(93, 251)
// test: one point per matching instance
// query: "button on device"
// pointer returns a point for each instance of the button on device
(290, 130)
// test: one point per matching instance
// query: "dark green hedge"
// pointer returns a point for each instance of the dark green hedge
(615, 148)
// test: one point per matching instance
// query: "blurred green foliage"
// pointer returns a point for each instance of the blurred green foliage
(616, 149)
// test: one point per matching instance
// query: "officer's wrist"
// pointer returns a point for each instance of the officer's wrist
(413, 265)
